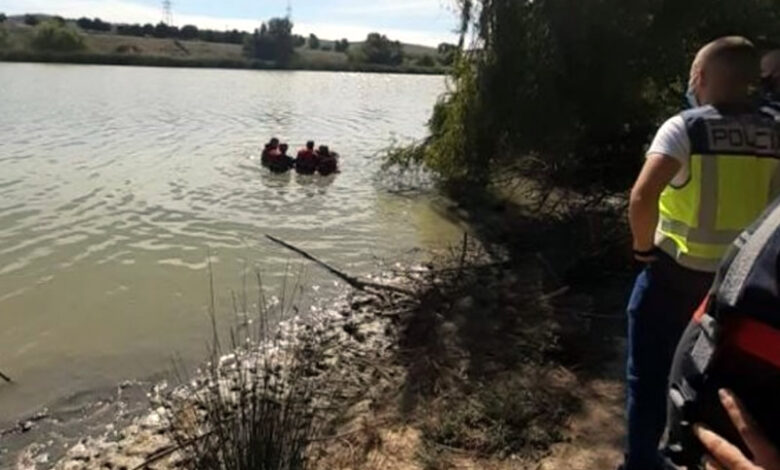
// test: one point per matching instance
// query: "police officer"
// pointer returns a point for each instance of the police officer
(707, 176)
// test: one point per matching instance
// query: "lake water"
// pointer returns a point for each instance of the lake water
(116, 184)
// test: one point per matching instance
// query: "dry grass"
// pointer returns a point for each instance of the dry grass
(110, 44)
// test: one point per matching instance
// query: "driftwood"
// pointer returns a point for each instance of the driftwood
(5, 377)
(351, 280)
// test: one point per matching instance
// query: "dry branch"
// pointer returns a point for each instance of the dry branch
(351, 280)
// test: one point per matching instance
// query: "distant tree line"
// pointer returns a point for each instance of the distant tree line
(341, 46)
(272, 41)
(93, 25)
(315, 43)
(187, 32)
(3, 31)
(378, 49)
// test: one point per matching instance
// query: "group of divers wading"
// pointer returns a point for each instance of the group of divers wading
(308, 161)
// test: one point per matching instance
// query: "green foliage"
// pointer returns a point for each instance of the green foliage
(298, 40)
(378, 49)
(570, 91)
(93, 25)
(426, 60)
(162, 30)
(3, 17)
(189, 32)
(272, 42)
(314, 42)
(341, 46)
(31, 20)
(447, 53)
(52, 36)
(3, 36)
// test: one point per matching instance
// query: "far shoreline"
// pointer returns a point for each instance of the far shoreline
(82, 58)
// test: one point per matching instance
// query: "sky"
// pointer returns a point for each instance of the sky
(427, 22)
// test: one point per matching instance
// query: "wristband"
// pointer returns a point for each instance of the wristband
(646, 253)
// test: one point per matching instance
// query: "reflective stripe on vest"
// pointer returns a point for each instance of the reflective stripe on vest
(733, 161)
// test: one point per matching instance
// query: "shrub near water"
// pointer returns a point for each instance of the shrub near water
(570, 91)
(51, 36)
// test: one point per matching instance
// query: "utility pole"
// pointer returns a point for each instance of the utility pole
(167, 8)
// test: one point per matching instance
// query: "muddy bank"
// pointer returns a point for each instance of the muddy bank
(489, 356)
(348, 336)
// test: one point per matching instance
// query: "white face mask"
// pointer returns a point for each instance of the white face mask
(690, 98)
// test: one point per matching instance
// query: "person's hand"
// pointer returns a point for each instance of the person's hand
(724, 455)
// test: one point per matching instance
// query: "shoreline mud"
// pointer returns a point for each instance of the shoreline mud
(488, 356)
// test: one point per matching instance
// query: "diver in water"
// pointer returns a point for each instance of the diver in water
(269, 151)
(280, 162)
(328, 163)
(307, 160)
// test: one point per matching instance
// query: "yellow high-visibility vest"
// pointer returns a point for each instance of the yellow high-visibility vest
(733, 163)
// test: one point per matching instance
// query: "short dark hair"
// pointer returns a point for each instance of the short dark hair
(310, 145)
(737, 52)
(274, 140)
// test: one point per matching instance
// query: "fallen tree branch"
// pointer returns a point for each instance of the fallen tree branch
(351, 280)
(5, 377)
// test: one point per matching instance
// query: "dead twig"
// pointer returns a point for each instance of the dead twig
(6, 378)
(555, 294)
(351, 280)
(463, 252)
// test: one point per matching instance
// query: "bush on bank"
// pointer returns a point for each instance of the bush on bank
(53, 36)
(570, 91)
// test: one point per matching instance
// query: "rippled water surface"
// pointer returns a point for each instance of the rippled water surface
(116, 182)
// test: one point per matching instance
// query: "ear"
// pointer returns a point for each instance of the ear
(701, 82)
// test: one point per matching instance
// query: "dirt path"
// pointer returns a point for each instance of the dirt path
(595, 436)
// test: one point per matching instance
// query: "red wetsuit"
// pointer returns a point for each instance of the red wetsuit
(307, 162)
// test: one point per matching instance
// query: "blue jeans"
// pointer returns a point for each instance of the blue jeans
(664, 298)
